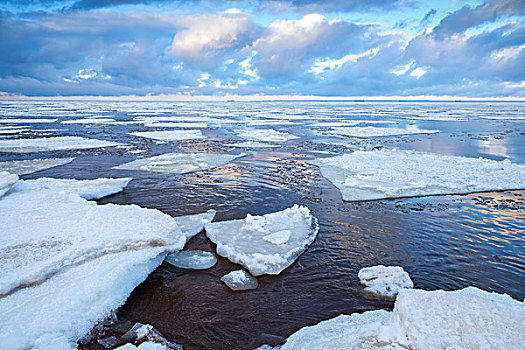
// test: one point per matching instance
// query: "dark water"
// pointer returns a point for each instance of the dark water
(444, 242)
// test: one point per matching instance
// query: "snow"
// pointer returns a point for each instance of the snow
(465, 319)
(242, 241)
(52, 144)
(68, 262)
(251, 144)
(190, 225)
(372, 131)
(171, 135)
(268, 135)
(27, 121)
(370, 175)
(25, 167)
(240, 280)
(7, 180)
(179, 163)
(384, 281)
(192, 259)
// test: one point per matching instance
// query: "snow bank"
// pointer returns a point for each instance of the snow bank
(368, 175)
(179, 163)
(465, 319)
(249, 242)
(25, 167)
(384, 281)
(268, 135)
(371, 131)
(52, 144)
(192, 259)
(190, 225)
(171, 135)
(240, 280)
(7, 181)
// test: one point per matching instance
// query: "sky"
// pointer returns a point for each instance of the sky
(262, 48)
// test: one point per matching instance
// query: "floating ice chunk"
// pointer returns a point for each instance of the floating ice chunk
(504, 116)
(7, 180)
(27, 121)
(279, 237)
(369, 175)
(242, 241)
(251, 144)
(270, 122)
(177, 125)
(25, 167)
(147, 345)
(179, 163)
(268, 135)
(88, 189)
(192, 259)
(465, 319)
(5, 131)
(146, 334)
(190, 225)
(52, 144)
(171, 135)
(385, 281)
(89, 121)
(240, 280)
(372, 131)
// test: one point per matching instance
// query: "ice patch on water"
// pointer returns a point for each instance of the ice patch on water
(465, 319)
(177, 125)
(267, 135)
(27, 121)
(192, 259)
(190, 225)
(242, 241)
(52, 144)
(251, 144)
(90, 121)
(7, 181)
(171, 135)
(369, 175)
(372, 131)
(279, 237)
(384, 281)
(179, 163)
(25, 167)
(240, 280)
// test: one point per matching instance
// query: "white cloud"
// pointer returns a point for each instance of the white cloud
(330, 64)
(418, 72)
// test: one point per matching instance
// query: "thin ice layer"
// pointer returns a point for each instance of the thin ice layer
(240, 280)
(462, 320)
(243, 241)
(372, 131)
(52, 144)
(179, 163)
(7, 181)
(268, 135)
(171, 135)
(384, 281)
(368, 175)
(25, 167)
(190, 225)
(192, 259)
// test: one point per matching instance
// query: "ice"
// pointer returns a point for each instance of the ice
(372, 131)
(25, 167)
(251, 144)
(279, 237)
(243, 241)
(27, 121)
(171, 135)
(268, 135)
(384, 281)
(177, 125)
(89, 121)
(240, 280)
(68, 262)
(148, 345)
(52, 144)
(192, 259)
(7, 180)
(179, 163)
(190, 225)
(465, 319)
(12, 131)
(370, 175)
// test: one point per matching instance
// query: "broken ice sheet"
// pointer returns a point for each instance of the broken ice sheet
(258, 242)
(240, 280)
(370, 175)
(190, 225)
(171, 135)
(7, 180)
(52, 144)
(372, 131)
(268, 135)
(385, 281)
(251, 144)
(27, 121)
(25, 167)
(179, 163)
(192, 259)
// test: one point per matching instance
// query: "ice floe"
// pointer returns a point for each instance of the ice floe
(177, 125)
(268, 135)
(369, 175)
(171, 135)
(384, 281)
(251, 144)
(25, 167)
(27, 121)
(372, 131)
(265, 244)
(465, 319)
(7, 180)
(179, 163)
(52, 144)
(240, 280)
(89, 121)
(190, 225)
(192, 259)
